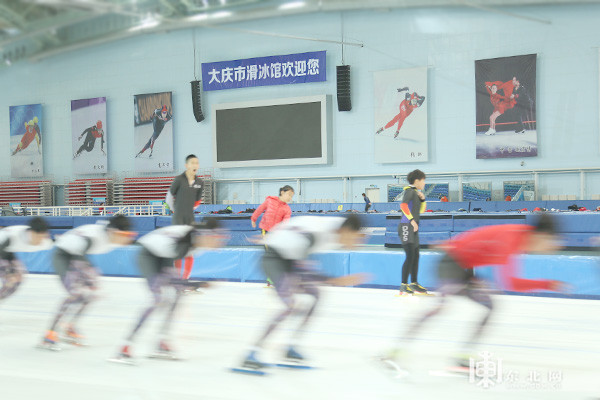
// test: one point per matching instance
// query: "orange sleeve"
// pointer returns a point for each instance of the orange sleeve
(406, 210)
(258, 211)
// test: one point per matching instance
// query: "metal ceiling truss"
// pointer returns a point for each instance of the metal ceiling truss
(36, 29)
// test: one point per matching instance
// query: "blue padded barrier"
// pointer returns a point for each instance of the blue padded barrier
(464, 222)
(54, 233)
(575, 221)
(243, 238)
(299, 207)
(429, 222)
(234, 222)
(582, 272)
(446, 206)
(425, 238)
(386, 267)
(53, 222)
(78, 221)
(140, 223)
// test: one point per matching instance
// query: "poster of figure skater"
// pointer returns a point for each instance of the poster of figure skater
(506, 107)
(26, 141)
(88, 136)
(153, 132)
(401, 115)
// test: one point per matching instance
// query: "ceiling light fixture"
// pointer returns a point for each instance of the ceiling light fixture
(221, 14)
(148, 22)
(292, 5)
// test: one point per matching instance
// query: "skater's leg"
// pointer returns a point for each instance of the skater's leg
(414, 267)
(164, 331)
(178, 264)
(480, 297)
(188, 266)
(147, 145)
(313, 291)
(155, 284)
(282, 286)
(392, 122)
(400, 122)
(11, 276)
(412, 254)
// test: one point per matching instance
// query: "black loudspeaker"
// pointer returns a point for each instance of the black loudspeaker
(197, 100)
(343, 88)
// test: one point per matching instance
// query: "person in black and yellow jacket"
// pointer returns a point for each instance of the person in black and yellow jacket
(413, 204)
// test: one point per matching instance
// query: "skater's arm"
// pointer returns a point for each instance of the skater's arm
(408, 196)
(508, 276)
(85, 132)
(199, 195)
(257, 212)
(420, 100)
(170, 200)
(287, 214)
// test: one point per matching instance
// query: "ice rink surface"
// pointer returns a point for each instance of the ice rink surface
(548, 348)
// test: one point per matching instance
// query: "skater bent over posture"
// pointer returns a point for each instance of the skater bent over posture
(413, 204)
(92, 133)
(32, 131)
(155, 261)
(289, 244)
(19, 238)
(77, 274)
(410, 102)
(183, 197)
(489, 245)
(159, 120)
(276, 210)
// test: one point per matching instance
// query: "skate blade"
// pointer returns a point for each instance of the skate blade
(248, 371)
(168, 357)
(51, 347)
(424, 294)
(404, 295)
(118, 360)
(73, 342)
(392, 368)
(293, 365)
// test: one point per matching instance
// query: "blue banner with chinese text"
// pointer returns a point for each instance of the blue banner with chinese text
(265, 71)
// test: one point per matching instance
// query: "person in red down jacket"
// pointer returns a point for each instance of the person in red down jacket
(496, 245)
(276, 210)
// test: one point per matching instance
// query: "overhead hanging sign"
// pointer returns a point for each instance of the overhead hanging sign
(265, 71)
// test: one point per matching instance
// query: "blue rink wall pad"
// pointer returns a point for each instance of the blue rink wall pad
(582, 273)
